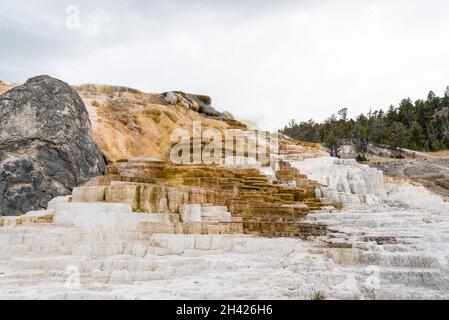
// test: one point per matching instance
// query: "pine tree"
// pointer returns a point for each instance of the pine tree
(398, 138)
(416, 136)
(419, 125)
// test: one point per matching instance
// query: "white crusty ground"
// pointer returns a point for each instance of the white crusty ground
(395, 245)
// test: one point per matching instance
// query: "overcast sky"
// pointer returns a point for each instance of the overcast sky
(268, 61)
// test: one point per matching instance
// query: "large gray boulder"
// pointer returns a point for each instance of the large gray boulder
(46, 148)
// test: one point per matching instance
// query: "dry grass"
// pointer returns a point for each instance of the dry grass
(95, 103)
(439, 154)
(100, 89)
(319, 295)
(153, 113)
(171, 115)
(6, 87)
(443, 183)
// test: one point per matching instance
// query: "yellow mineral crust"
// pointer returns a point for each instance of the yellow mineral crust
(127, 123)
(267, 208)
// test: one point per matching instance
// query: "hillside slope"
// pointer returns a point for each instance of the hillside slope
(128, 123)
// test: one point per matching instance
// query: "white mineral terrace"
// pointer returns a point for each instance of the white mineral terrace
(389, 242)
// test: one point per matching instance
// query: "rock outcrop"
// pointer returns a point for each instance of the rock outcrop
(46, 148)
(195, 102)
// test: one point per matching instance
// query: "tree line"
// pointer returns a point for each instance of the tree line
(422, 125)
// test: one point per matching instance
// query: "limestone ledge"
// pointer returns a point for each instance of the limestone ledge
(343, 181)
(213, 194)
(33, 217)
(119, 217)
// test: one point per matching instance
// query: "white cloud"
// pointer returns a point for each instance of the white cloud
(269, 62)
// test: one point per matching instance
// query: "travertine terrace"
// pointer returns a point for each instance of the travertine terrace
(393, 249)
(148, 229)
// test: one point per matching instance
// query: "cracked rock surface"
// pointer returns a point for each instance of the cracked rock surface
(46, 147)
